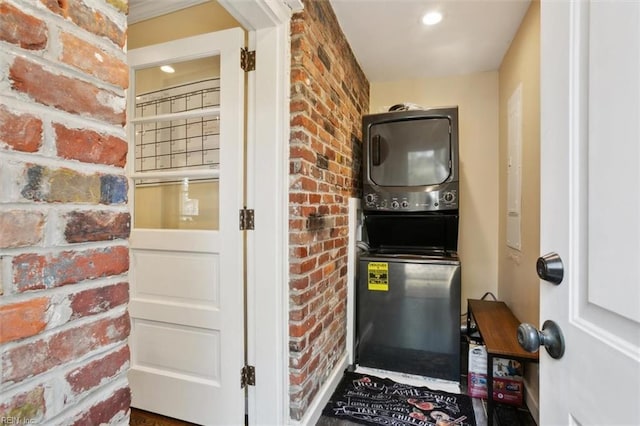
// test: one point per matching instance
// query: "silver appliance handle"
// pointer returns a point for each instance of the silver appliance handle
(375, 150)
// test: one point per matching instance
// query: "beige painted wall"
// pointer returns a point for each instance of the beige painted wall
(518, 283)
(477, 98)
(200, 19)
(152, 79)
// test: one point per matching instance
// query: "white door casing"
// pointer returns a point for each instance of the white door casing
(186, 297)
(268, 23)
(590, 209)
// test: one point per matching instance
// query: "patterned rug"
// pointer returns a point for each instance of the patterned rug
(371, 400)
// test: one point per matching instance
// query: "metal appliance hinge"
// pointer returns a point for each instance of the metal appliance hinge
(247, 59)
(247, 376)
(246, 219)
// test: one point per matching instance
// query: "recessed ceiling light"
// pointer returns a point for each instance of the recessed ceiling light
(168, 69)
(432, 18)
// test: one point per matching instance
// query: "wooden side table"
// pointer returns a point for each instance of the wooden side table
(498, 328)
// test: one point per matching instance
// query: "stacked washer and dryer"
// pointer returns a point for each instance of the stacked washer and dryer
(408, 290)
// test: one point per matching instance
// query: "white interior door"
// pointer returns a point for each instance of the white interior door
(590, 194)
(186, 299)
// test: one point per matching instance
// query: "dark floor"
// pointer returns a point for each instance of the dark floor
(144, 418)
(507, 415)
(504, 416)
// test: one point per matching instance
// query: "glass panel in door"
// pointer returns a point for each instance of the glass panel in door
(177, 130)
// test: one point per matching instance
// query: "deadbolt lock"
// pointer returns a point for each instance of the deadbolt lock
(550, 268)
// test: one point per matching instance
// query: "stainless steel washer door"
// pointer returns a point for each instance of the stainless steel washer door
(408, 315)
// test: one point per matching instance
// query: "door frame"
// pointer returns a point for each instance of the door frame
(268, 25)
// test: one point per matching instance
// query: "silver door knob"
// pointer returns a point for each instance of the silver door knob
(530, 339)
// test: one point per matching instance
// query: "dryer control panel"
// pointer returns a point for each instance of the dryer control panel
(445, 198)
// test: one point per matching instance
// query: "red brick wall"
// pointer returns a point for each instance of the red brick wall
(329, 95)
(64, 220)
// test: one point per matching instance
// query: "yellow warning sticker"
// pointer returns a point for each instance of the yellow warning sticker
(378, 276)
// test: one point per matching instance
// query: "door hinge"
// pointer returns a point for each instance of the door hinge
(247, 376)
(247, 59)
(246, 219)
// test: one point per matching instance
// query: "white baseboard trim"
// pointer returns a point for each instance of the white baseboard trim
(532, 403)
(317, 405)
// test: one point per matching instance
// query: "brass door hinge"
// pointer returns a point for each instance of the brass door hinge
(246, 219)
(247, 376)
(247, 59)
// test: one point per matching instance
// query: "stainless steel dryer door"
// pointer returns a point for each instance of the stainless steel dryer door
(410, 153)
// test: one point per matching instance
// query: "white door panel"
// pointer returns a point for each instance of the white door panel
(187, 288)
(590, 201)
(172, 313)
(199, 393)
(614, 155)
(178, 287)
(151, 353)
(188, 276)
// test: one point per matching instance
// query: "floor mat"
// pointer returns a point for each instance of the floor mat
(371, 400)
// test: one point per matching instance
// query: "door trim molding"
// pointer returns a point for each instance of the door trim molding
(268, 24)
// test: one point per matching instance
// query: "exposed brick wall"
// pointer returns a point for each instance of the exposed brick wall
(64, 220)
(329, 95)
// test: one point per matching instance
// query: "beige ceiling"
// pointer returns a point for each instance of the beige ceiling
(140, 10)
(390, 43)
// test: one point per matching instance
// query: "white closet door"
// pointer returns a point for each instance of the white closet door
(186, 168)
(590, 210)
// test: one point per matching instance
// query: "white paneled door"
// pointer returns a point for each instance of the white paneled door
(186, 167)
(590, 196)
